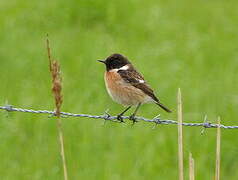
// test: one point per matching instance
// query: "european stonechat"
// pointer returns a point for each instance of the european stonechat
(126, 86)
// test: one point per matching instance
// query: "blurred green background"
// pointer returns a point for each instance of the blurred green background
(186, 44)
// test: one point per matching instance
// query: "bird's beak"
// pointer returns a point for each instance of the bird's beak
(102, 61)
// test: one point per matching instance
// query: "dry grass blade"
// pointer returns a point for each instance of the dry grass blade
(191, 167)
(56, 89)
(49, 53)
(180, 136)
(218, 150)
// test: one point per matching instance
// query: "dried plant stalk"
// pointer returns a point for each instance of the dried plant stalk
(218, 150)
(191, 167)
(56, 89)
(180, 136)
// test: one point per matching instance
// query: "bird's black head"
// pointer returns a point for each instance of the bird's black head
(115, 61)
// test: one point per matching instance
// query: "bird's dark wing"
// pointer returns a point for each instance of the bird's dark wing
(136, 79)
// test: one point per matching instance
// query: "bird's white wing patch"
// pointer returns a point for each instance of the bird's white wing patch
(141, 81)
(132, 76)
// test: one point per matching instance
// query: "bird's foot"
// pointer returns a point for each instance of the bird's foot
(133, 118)
(119, 118)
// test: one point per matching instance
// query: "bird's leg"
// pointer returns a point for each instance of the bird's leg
(119, 116)
(132, 117)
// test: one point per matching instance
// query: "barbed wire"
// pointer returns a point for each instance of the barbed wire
(106, 116)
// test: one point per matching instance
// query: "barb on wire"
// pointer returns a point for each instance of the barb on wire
(106, 116)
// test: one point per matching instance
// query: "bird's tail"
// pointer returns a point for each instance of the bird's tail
(163, 107)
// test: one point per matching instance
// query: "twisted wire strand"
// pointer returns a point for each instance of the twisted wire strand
(106, 116)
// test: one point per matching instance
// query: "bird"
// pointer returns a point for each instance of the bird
(127, 86)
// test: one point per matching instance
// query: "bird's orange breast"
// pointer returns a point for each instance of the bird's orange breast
(123, 92)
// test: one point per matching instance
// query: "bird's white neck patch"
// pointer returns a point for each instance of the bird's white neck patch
(126, 67)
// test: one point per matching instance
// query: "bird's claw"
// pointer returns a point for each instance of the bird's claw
(107, 115)
(133, 118)
(119, 118)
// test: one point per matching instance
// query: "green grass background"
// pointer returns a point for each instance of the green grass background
(186, 44)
